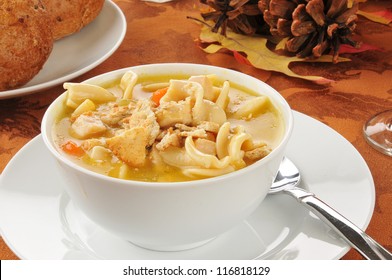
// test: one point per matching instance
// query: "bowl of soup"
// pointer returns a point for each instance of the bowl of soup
(168, 156)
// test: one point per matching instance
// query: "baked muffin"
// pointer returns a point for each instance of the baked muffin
(26, 41)
(69, 16)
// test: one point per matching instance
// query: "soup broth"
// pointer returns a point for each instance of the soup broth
(166, 128)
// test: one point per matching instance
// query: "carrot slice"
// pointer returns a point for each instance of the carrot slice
(158, 94)
(72, 148)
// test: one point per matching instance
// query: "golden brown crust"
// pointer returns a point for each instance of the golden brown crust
(25, 39)
(69, 16)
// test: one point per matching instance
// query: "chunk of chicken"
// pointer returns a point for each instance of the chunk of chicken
(100, 153)
(88, 144)
(257, 153)
(143, 116)
(205, 110)
(209, 126)
(203, 130)
(209, 91)
(184, 127)
(170, 139)
(198, 133)
(130, 146)
(180, 90)
(87, 125)
(112, 113)
(171, 113)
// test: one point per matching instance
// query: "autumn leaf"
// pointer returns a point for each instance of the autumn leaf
(364, 47)
(241, 59)
(350, 3)
(384, 17)
(257, 53)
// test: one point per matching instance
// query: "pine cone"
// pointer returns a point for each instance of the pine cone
(241, 16)
(314, 27)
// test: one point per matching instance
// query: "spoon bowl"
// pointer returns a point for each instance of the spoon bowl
(288, 177)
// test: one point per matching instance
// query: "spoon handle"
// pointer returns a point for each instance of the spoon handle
(352, 234)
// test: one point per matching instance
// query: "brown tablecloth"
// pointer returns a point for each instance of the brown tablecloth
(162, 33)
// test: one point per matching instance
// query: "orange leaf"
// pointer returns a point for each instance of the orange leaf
(240, 58)
(256, 52)
(364, 47)
(384, 17)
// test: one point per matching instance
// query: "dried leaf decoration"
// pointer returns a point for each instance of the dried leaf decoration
(257, 53)
(363, 48)
(384, 17)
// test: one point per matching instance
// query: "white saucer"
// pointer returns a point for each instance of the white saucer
(74, 55)
(38, 221)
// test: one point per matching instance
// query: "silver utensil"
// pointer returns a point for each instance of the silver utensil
(287, 180)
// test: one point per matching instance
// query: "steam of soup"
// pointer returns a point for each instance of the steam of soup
(166, 129)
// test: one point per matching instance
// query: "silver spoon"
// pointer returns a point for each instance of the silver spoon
(287, 180)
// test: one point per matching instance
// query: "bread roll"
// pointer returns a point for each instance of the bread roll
(69, 16)
(26, 41)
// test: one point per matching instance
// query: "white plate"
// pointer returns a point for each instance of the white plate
(38, 221)
(74, 55)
